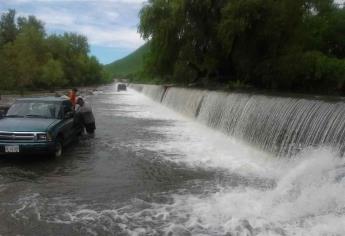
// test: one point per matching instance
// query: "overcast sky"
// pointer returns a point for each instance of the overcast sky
(110, 25)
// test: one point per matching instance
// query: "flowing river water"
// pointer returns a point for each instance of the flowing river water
(151, 171)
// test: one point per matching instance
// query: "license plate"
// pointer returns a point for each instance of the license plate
(11, 149)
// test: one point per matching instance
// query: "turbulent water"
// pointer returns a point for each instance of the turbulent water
(151, 171)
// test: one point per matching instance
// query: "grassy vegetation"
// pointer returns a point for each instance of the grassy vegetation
(129, 65)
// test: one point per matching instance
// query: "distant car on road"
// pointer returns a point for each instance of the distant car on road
(121, 87)
(38, 125)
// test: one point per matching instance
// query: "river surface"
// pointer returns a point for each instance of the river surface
(150, 171)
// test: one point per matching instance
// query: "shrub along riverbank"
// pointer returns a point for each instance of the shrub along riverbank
(30, 59)
(286, 45)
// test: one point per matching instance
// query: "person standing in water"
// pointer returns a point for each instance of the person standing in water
(85, 116)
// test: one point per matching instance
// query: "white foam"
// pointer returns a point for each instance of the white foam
(308, 199)
(300, 204)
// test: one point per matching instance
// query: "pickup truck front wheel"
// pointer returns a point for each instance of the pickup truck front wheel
(58, 148)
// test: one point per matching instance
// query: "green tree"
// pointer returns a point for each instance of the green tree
(94, 71)
(160, 22)
(8, 67)
(326, 32)
(32, 22)
(30, 59)
(265, 44)
(31, 56)
(52, 75)
(8, 27)
(72, 52)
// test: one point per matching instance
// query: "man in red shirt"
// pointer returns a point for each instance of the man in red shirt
(73, 96)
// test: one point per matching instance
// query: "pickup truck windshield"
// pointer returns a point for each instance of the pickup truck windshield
(36, 109)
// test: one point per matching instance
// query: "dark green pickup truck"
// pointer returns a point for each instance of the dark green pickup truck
(38, 125)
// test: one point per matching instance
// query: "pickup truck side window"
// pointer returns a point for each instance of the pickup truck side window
(67, 107)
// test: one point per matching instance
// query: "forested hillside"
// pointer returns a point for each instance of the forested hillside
(129, 65)
(285, 45)
(30, 59)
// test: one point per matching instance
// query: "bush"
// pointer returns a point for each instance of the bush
(311, 72)
(323, 73)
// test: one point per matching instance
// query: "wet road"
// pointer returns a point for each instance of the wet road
(149, 171)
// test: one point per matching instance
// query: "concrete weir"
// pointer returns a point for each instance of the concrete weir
(278, 124)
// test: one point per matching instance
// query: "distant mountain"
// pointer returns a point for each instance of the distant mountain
(129, 64)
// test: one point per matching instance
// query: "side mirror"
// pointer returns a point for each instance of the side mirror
(69, 115)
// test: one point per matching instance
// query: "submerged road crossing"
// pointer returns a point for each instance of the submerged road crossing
(150, 171)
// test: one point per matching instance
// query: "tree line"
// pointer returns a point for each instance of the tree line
(31, 59)
(285, 45)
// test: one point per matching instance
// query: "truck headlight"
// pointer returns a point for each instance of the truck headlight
(44, 137)
(49, 137)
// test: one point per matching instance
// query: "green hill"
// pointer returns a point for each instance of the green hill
(129, 64)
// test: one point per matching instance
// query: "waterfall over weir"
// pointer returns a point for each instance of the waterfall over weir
(281, 125)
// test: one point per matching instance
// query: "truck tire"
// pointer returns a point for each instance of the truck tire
(58, 147)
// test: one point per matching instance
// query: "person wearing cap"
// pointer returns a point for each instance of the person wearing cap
(85, 116)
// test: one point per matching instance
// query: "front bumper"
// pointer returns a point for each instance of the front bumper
(28, 148)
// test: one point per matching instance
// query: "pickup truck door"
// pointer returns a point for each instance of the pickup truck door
(68, 128)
